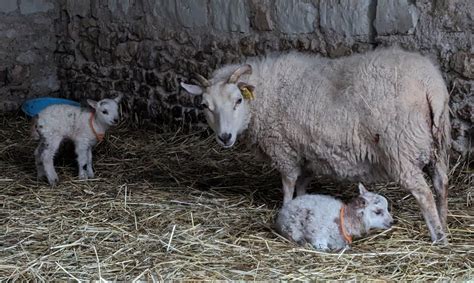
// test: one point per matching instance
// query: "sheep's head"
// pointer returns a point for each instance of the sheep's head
(225, 104)
(373, 209)
(106, 110)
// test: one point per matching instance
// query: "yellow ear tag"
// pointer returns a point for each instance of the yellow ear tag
(247, 93)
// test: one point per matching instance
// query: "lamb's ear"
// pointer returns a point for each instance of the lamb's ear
(192, 89)
(362, 190)
(92, 103)
(118, 98)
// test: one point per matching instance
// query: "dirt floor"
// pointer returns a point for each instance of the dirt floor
(170, 205)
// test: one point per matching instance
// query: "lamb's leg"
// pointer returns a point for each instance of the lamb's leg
(39, 163)
(82, 160)
(302, 184)
(90, 170)
(47, 158)
(440, 183)
(416, 184)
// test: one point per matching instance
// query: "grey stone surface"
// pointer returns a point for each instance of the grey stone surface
(396, 17)
(348, 18)
(230, 15)
(8, 6)
(192, 13)
(295, 16)
(35, 6)
(27, 58)
(79, 7)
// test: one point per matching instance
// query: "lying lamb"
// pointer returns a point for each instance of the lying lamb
(328, 224)
(374, 117)
(84, 127)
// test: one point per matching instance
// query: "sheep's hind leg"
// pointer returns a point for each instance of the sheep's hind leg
(90, 170)
(416, 184)
(47, 157)
(440, 183)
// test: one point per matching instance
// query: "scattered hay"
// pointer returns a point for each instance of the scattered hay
(176, 206)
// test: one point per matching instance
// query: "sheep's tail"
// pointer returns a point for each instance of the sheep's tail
(34, 128)
(441, 128)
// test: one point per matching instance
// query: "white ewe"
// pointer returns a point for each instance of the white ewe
(84, 127)
(371, 117)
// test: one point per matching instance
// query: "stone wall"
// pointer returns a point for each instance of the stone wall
(144, 48)
(27, 44)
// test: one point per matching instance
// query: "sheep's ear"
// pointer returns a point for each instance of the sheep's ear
(92, 103)
(192, 89)
(118, 98)
(362, 190)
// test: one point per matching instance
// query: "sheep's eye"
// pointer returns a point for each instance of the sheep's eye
(378, 212)
(105, 112)
(238, 101)
(204, 106)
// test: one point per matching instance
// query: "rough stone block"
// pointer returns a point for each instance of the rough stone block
(124, 5)
(261, 17)
(396, 17)
(8, 6)
(35, 6)
(230, 15)
(29, 57)
(348, 18)
(295, 16)
(192, 13)
(78, 7)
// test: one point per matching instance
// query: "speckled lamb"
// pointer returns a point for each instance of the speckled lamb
(328, 224)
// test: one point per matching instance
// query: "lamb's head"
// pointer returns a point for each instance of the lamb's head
(373, 209)
(225, 104)
(106, 110)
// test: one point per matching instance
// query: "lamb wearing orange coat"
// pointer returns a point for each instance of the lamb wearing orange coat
(328, 224)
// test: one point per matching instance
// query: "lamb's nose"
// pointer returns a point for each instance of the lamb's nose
(115, 120)
(393, 222)
(225, 138)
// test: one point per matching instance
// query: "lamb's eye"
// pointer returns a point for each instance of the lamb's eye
(204, 106)
(238, 101)
(378, 212)
(105, 112)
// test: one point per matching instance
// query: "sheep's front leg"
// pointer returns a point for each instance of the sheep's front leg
(302, 184)
(39, 163)
(82, 160)
(90, 170)
(289, 182)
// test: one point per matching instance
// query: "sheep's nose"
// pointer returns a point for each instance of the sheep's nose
(393, 222)
(116, 120)
(225, 138)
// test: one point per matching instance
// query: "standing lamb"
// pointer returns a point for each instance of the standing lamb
(84, 127)
(328, 224)
(371, 117)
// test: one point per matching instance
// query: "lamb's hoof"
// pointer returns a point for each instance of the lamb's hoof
(83, 176)
(90, 175)
(53, 182)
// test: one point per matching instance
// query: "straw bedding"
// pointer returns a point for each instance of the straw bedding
(173, 205)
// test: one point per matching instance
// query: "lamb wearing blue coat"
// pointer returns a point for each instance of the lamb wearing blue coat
(328, 224)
